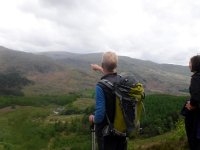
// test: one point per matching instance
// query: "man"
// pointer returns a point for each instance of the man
(105, 105)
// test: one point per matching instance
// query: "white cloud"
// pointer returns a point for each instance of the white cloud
(164, 31)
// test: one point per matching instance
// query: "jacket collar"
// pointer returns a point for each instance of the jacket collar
(110, 74)
(196, 74)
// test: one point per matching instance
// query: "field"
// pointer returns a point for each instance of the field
(60, 123)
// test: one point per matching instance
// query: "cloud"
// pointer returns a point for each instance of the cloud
(164, 31)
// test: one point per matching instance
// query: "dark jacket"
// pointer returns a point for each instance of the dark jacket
(195, 90)
(192, 117)
(195, 100)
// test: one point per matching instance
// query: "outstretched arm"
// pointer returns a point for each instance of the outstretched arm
(96, 67)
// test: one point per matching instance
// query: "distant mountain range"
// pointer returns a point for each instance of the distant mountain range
(63, 72)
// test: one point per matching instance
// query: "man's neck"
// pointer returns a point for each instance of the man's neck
(105, 72)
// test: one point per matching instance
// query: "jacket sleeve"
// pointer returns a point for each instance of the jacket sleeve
(100, 105)
(195, 91)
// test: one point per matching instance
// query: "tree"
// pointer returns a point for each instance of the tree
(11, 83)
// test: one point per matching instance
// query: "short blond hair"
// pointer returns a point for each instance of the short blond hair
(109, 61)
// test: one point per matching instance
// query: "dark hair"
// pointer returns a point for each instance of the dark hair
(195, 62)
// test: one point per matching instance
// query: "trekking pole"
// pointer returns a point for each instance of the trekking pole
(93, 137)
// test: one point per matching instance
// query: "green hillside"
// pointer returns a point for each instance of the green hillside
(61, 122)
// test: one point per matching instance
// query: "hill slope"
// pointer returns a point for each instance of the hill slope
(63, 72)
(156, 77)
(26, 62)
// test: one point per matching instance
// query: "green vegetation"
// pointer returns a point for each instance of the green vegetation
(11, 83)
(161, 113)
(36, 100)
(166, 141)
(31, 123)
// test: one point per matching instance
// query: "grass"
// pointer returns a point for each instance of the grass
(23, 127)
(36, 100)
(63, 118)
(83, 103)
(167, 141)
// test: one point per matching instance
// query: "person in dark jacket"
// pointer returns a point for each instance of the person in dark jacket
(105, 105)
(192, 117)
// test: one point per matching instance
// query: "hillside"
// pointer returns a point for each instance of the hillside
(63, 72)
(156, 77)
(26, 62)
(61, 122)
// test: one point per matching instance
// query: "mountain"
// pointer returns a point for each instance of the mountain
(64, 72)
(156, 77)
(26, 62)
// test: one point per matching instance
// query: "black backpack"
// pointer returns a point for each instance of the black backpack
(128, 106)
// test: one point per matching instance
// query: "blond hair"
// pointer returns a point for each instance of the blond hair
(109, 61)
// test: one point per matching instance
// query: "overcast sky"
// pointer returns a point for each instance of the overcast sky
(163, 31)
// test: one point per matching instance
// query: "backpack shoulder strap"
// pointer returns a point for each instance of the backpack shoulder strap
(106, 83)
(110, 85)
